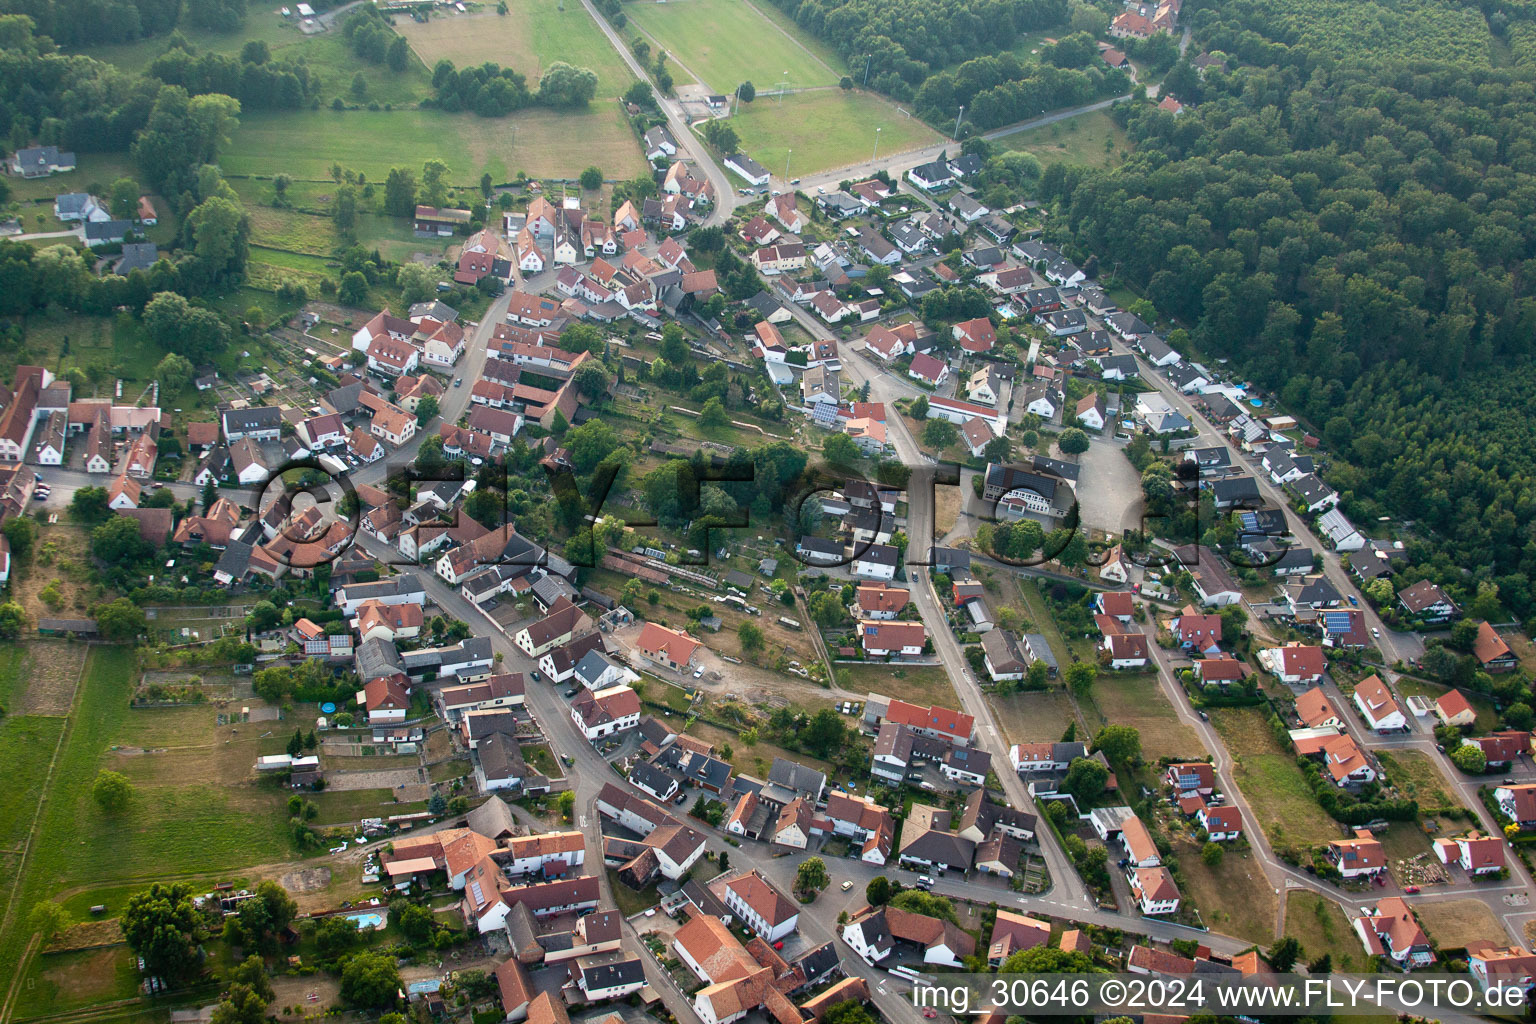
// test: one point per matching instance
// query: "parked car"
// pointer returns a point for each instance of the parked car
(847, 885)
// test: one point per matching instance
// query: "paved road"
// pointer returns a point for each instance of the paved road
(677, 123)
(1395, 645)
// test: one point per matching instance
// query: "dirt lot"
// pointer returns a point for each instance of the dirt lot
(52, 668)
(403, 780)
(1108, 488)
(1454, 923)
(1234, 897)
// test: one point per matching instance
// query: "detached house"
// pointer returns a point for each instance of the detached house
(976, 335)
(1295, 664)
(1491, 652)
(1361, 855)
(1378, 707)
(1391, 931)
(1425, 600)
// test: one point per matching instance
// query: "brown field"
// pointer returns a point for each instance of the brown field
(1416, 776)
(1320, 931)
(60, 554)
(86, 935)
(1523, 649)
(1138, 701)
(1033, 717)
(78, 979)
(51, 669)
(1269, 778)
(946, 509)
(1234, 898)
(1454, 923)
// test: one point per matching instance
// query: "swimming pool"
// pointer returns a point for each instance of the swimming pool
(367, 921)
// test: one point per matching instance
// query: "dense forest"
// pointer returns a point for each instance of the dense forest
(901, 42)
(1356, 233)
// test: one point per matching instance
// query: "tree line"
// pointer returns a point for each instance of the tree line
(96, 22)
(491, 90)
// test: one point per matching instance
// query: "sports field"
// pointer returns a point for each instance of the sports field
(538, 142)
(532, 35)
(727, 42)
(825, 129)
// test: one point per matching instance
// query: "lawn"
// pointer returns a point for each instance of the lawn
(1451, 924)
(1033, 717)
(538, 142)
(27, 742)
(103, 348)
(1320, 926)
(1138, 701)
(1090, 140)
(1487, 717)
(726, 42)
(1269, 778)
(1234, 897)
(531, 36)
(825, 129)
(629, 901)
(919, 684)
(92, 171)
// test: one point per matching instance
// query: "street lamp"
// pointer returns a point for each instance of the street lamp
(783, 86)
(786, 163)
(877, 146)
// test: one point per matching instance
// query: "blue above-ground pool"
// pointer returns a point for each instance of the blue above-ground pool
(327, 708)
(1257, 403)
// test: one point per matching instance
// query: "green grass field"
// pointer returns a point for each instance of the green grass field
(326, 53)
(825, 129)
(532, 35)
(541, 143)
(727, 42)
(188, 818)
(1089, 140)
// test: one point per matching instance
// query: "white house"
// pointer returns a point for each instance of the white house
(1378, 707)
(760, 906)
